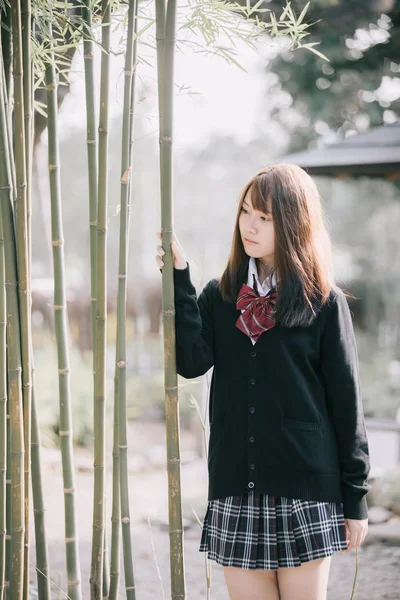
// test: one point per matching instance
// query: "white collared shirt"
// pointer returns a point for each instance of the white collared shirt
(263, 288)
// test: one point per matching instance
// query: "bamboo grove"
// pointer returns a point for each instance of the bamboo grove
(36, 37)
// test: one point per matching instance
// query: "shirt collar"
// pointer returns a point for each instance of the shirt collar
(265, 286)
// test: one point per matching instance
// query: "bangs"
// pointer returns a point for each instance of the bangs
(259, 198)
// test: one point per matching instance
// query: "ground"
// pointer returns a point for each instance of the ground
(378, 574)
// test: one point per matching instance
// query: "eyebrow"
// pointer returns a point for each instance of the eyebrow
(267, 212)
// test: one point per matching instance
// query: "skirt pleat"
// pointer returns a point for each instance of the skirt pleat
(260, 531)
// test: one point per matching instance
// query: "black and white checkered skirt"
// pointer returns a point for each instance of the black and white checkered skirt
(260, 531)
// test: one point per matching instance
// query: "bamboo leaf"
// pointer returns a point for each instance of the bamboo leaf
(309, 47)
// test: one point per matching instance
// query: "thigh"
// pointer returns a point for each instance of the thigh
(308, 582)
(251, 584)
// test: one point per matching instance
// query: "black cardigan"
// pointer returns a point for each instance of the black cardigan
(286, 415)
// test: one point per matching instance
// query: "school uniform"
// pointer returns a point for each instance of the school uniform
(288, 456)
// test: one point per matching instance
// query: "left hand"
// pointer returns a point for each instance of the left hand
(356, 531)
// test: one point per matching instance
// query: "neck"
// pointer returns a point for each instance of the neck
(264, 270)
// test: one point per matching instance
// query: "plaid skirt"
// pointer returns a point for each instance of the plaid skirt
(260, 531)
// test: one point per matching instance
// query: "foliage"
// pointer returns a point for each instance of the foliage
(359, 87)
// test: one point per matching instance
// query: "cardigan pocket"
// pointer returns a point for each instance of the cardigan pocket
(303, 425)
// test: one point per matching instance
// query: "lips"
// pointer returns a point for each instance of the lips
(250, 241)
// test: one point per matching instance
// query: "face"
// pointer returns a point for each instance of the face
(258, 227)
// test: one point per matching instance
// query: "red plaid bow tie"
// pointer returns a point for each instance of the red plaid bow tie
(257, 316)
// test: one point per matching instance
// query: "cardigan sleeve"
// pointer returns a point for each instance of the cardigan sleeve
(194, 328)
(339, 364)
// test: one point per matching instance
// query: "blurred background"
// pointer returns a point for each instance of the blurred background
(229, 123)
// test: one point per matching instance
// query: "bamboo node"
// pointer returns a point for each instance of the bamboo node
(122, 363)
(69, 490)
(69, 540)
(90, 141)
(125, 520)
(131, 587)
(93, 223)
(165, 139)
(52, 167)
(8, 481)
(58, 306)
(171, 387)
(74, 582)
(8, 536)
(50, 86)
(63, 371)
(122, 276)
(169, 312)
(57, 242)
(5, 187)
(64, 433)
(121, 446)
(125, 176)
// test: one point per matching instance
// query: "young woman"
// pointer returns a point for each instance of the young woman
(288, 456)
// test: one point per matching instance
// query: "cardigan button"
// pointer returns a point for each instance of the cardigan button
(252, 409)
(252, 439)
(252, 466)
(251, 484)
(252, 381)
(253, 354)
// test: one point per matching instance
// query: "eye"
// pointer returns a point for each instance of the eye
(244, 210)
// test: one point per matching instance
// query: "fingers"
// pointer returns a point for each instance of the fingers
(356, 533)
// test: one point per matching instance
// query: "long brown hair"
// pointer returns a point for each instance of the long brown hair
(302, 254)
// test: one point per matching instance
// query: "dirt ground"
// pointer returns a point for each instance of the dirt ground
(379, 565)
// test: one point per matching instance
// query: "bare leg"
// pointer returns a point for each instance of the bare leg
(308, 582)
(251, 584)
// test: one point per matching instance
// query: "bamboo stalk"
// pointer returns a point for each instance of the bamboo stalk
(92, 149)
(17, 448)
(91, 142)
(116, 506)
(7, 192)
(126, 166)
(96, 575)
(26, 342)
(6, 44)
(3, 413)
(42, 558)
(165, 25)
(15, 516)
(61, 331)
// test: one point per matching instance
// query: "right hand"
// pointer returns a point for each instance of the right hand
(178, 257)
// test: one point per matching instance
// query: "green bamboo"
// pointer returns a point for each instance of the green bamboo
(91, 142)
(3, 414)
(15, 479)
(6, 191)
(126, 170)
(165, 32)
(6, 44)
(26, 376)
(92, 149)
(61, 331)
(8, 112)
(17, 449)
(42, 558)
(96, 575)
(116, 506)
